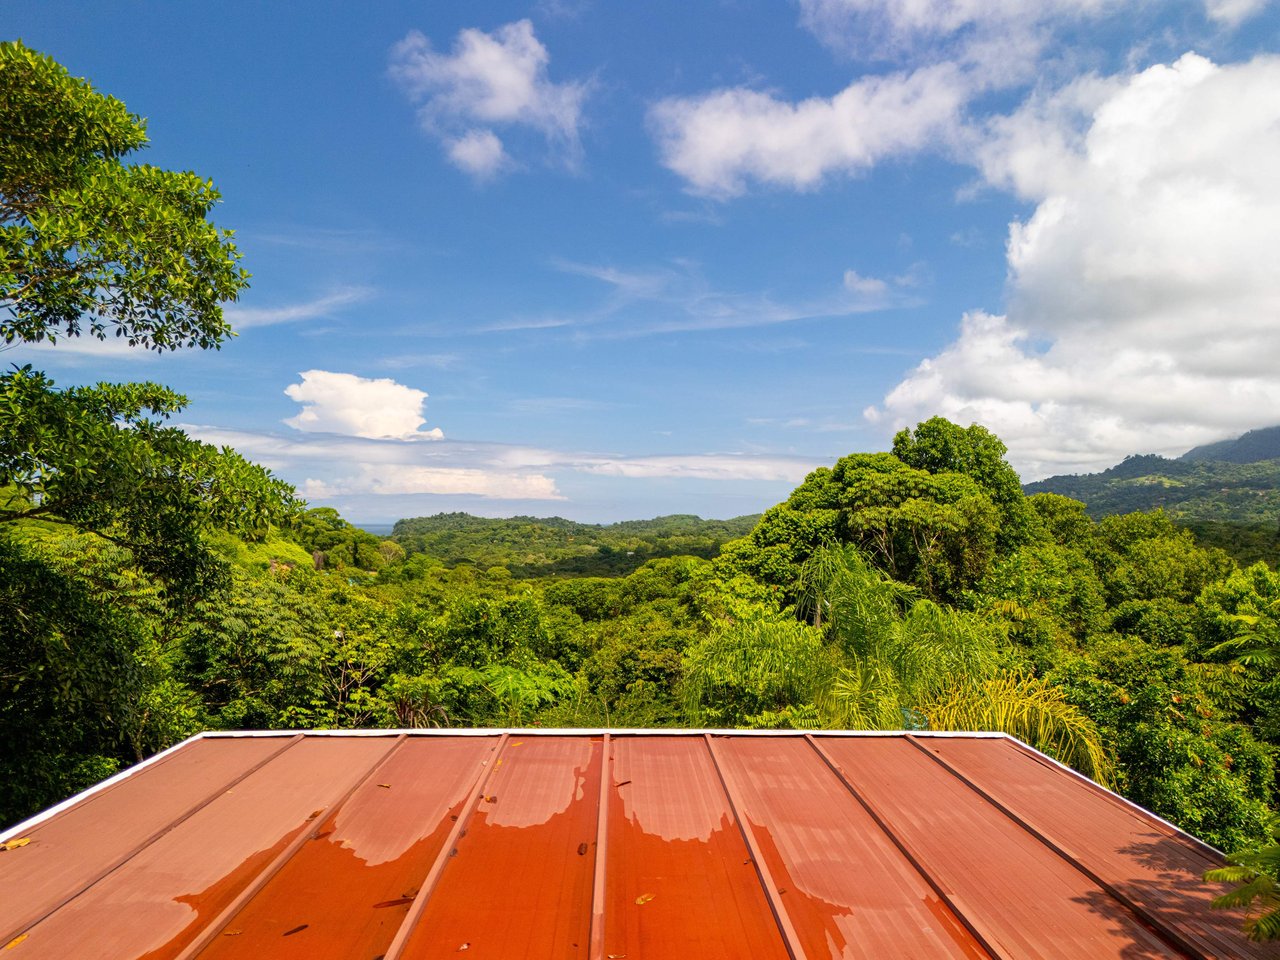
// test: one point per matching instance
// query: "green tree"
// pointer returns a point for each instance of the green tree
(89, 244)
(935, 531)
(939, 446)
(92, 246)
(100, 459)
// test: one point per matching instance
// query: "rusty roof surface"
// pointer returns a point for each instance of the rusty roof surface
(605, 844)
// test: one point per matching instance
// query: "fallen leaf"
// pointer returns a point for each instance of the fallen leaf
(298, 929)
(385, 785)
(16, 940)
(582, 849)
(616, 956)
(398, 901)
(315, 813)
(232, 933)
(15, 844)
(644, 898)
(465, 946)
(622, 783)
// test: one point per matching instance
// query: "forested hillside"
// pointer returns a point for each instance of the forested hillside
(553, 546)
(1235, 481)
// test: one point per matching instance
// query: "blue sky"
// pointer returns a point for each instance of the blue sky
(610, 260)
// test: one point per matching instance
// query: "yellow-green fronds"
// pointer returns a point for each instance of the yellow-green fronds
(1027, 708)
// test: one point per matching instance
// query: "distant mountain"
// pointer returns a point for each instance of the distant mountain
(1227, 493)
(554, 546)
(1253, 446)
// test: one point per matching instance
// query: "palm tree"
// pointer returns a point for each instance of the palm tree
(1258, 874)
(904, 662)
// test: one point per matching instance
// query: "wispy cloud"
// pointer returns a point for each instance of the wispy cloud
(245, 318)
(553, 405)
(678, 299)
(82, 350)
(409, 361)
(330, 466)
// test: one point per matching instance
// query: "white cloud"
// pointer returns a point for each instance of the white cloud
(703, 467)
(880, 27)
(243, 318)
(330, 467)
(951, 53)
(478, 152)
(720, 141)
(1233, 12)
(356, 406)
(490, 80)
(856, 282)
(1142, 290)
(400, 479)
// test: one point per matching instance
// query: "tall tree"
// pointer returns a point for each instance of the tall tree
(93, 246)
(88, 243)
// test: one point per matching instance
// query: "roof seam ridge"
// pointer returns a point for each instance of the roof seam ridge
(985, 941)
(1170, 935)
(432, 879)
(211, 930)
(32, 920)
(790, 937)
(599, 877)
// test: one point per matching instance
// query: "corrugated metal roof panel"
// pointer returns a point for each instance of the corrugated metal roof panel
(679, 878)
(645, 845)
(1023, 899)
(520, 883)
(106, 828)
(1142, 861)
(839, 878)
(346, 893)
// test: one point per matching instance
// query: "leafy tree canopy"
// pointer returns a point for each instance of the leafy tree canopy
(101, 459)
(89, 244)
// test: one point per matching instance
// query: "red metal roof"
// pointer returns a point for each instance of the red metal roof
(641, 844)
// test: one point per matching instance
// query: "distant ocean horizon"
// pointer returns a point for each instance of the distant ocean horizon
(377, 529)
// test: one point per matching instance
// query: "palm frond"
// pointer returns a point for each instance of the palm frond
(1030, 709)
(1256, 871)
(864, 697)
